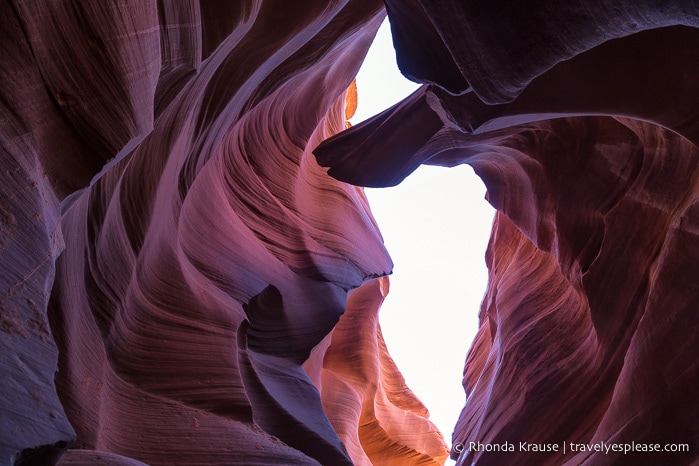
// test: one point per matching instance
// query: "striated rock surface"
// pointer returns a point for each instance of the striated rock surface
(582, 121)
(164, 150)
(375, 414)
(216, 294)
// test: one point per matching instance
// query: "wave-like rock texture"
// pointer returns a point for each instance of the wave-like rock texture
(582, 121)
(206, 252)
(361, 387)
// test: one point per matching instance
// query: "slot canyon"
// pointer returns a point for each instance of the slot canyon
(190, 272)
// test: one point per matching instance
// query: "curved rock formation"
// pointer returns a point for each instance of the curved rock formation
(208, 253)
(216, 300)
(582, 122)
(375, 414)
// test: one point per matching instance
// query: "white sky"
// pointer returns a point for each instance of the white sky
(436, 226)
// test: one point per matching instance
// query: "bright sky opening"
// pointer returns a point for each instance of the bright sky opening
(436, 226)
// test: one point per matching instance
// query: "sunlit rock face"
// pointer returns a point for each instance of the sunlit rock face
(377, 417)
(582, 121)
(164, 150)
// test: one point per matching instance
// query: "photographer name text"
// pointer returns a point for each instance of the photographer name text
(571, 447)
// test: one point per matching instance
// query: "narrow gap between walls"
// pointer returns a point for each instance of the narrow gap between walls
(436, 226)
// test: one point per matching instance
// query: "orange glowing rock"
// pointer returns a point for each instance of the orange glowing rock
(375, 414)
(351, 100)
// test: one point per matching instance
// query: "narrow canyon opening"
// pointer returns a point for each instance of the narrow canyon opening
(191, 272)
(436, 225)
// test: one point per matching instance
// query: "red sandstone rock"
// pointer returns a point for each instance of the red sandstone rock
(207, 258)
(375, 414)
(497, 49)
(588, 328)
(91, 457)
(211, 255)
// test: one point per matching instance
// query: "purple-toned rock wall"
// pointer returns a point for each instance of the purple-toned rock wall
(182, 282)
(582, 121)
(163, 150)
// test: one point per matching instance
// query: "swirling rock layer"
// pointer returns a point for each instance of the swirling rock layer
(208, 253)
(216, 300)
(375, 414)
(581, 119)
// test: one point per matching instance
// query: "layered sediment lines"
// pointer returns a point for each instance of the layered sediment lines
(582, 124)
(376, 415)
(206, 252)
(216, 294)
